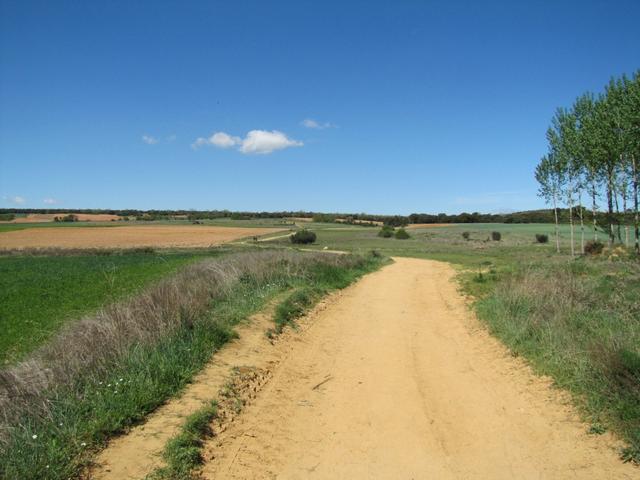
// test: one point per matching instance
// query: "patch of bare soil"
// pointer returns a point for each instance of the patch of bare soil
(126, 236)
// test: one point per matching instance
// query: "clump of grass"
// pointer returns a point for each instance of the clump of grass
(294, 306)
(542, 238)
(578, 323)
(183, 452)
(593, 247)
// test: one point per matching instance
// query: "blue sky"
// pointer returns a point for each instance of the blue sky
(380, 107)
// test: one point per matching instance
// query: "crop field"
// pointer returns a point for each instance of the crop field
(39, 294)
(161, 236)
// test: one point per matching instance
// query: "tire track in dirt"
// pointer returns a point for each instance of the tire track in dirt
(396, 379)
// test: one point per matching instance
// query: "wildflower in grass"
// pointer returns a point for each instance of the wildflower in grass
(34, 436)
(83, 444)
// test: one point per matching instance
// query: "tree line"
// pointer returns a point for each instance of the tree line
(594, 155)
(529, 216)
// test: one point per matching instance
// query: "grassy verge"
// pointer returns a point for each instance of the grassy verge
(38, 294)
(578, 322)
(57, 408)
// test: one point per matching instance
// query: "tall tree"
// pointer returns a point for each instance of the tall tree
(550, 177)
(562, 138)
(607, 137)
(584, 111)
(631, 120)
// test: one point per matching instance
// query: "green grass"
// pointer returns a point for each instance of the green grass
(83, 416)
(10, 227)
(183, 452)
(38, 294)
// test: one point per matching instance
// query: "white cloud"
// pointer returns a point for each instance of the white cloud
(50, 201)
(16, 200)
(263, 142)
(218, 139)
(311, 123)
(149, 140)
(255, 142)
(224, 140)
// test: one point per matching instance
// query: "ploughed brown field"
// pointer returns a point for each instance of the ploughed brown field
(126, 236)
(50, 217)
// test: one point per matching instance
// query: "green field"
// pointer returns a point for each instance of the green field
(38, 294)
(447, 243)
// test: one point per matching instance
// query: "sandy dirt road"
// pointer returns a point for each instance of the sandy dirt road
(396, 379)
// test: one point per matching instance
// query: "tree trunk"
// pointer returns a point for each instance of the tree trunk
(573, 253)
(610, 208)
(581, 222)
(555, 211)
(635, 202)
(624, 218)
(593, 211)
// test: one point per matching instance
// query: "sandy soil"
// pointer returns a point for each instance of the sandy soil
(397, 380)
(391, 378)
(49, 217)
(126, 236)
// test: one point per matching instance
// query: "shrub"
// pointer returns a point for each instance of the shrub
(593, 247)
(496, 236)
(542, 238)
(402, 234)
(386, 232)
(303, 236)
(466, 235)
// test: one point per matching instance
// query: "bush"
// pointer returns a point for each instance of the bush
(386, 232)
(496, 236)
(303, 237)
(466, 235)
(542, 238)
(593, 247)
(402, 234)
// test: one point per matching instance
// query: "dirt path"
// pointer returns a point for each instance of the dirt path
(395, 379)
